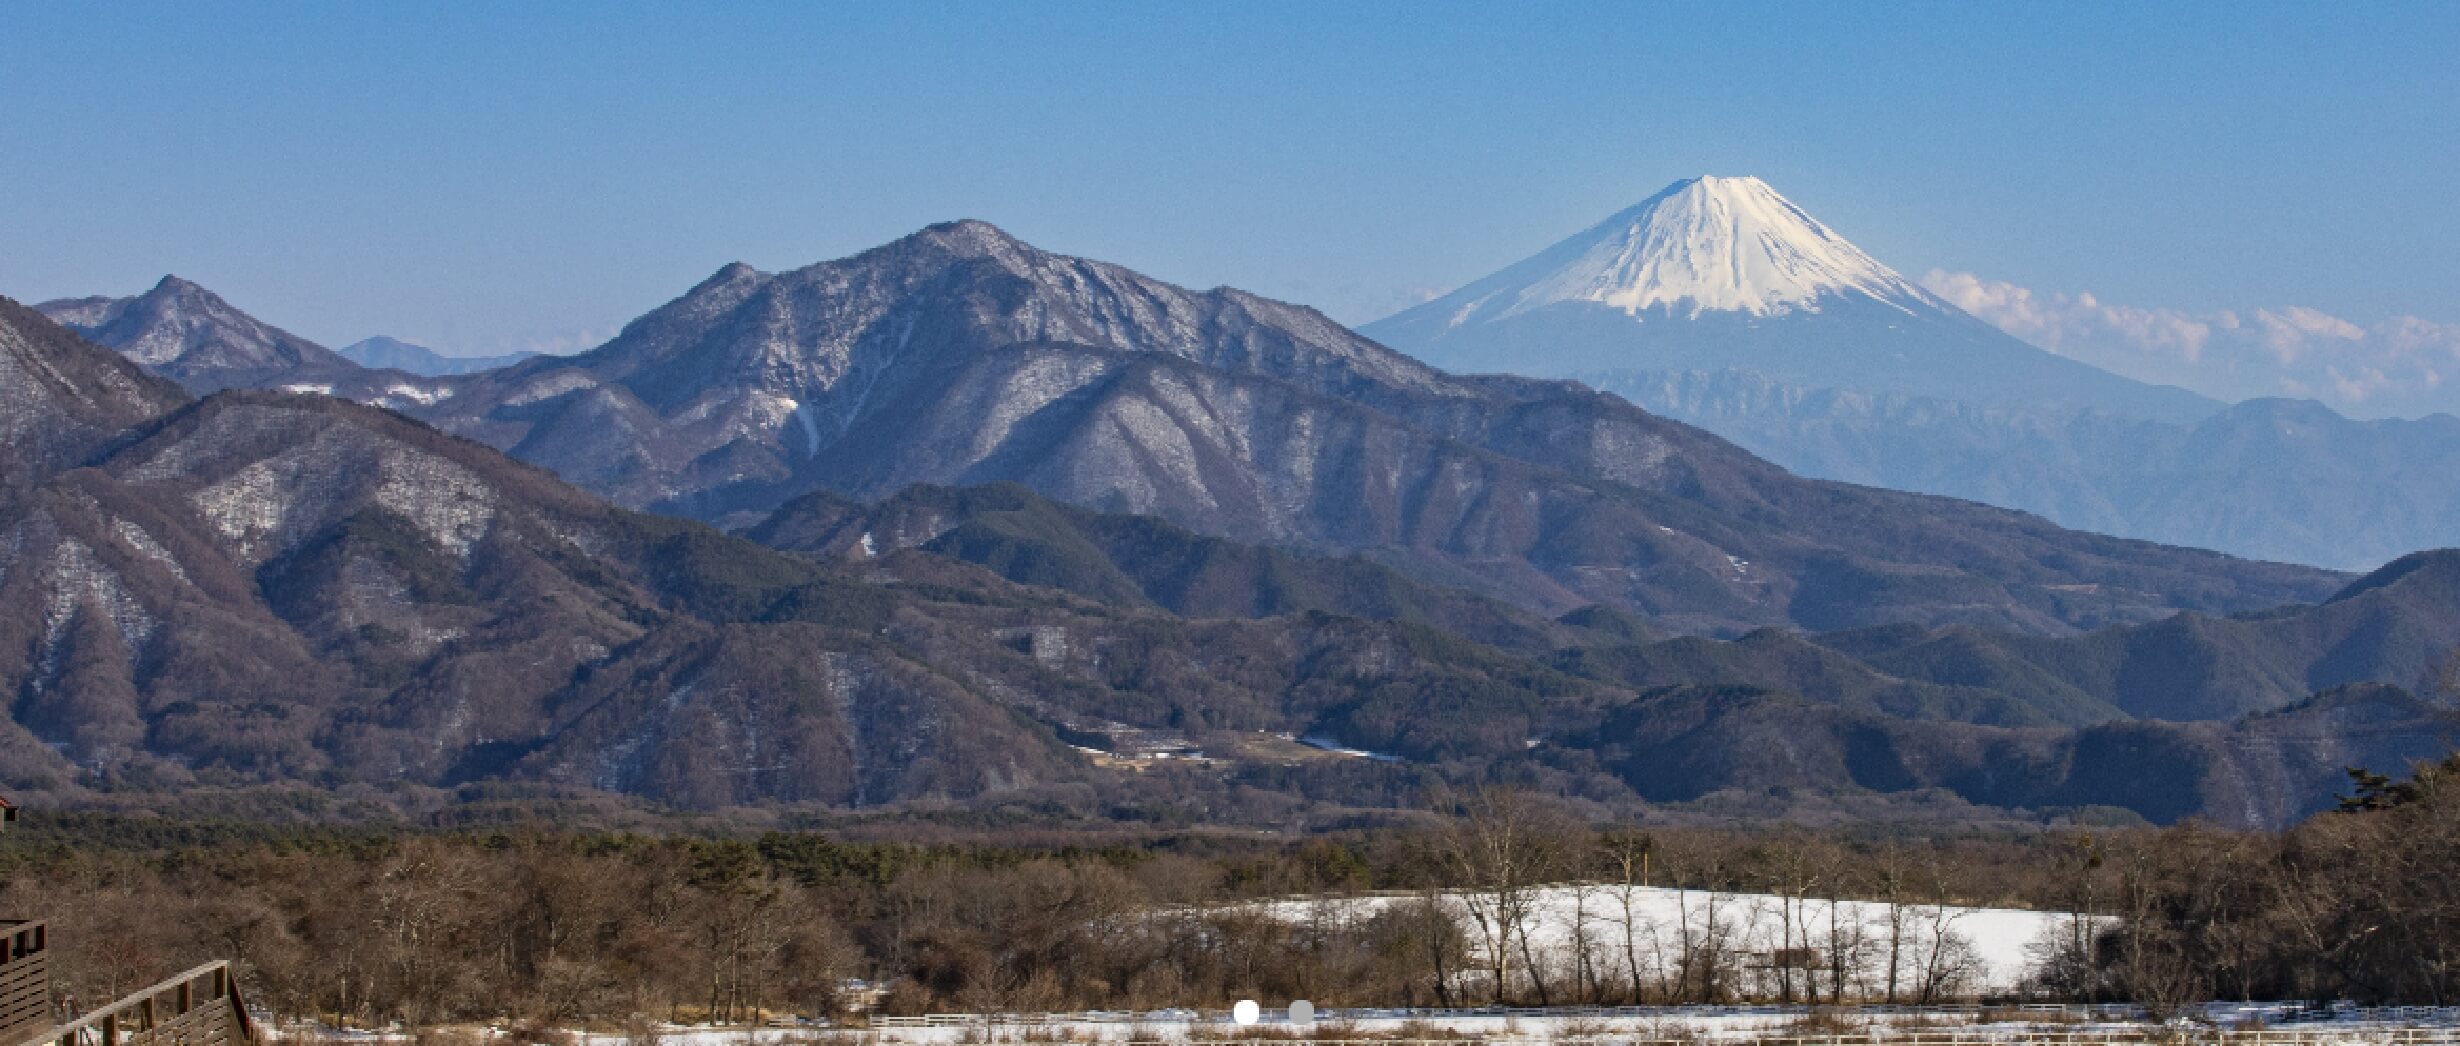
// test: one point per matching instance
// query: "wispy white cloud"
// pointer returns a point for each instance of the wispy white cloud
(2397, 367)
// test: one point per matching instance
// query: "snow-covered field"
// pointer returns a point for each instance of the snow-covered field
(1624, 931)
(1623, 928)
(1736, 1025)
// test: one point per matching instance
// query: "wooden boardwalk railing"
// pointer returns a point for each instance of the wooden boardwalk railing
(25, 979)
(198, 1008)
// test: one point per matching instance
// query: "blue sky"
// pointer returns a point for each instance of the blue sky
(485, 177)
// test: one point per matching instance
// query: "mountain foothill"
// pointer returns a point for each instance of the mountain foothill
(956, 524)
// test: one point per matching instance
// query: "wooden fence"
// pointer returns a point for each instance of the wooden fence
(25, 979)
(198, 1008)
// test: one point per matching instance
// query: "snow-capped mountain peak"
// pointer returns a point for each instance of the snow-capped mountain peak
(1705, 244)
(1716, 274)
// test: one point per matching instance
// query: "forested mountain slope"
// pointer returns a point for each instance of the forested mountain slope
(2398, 625)
(262, 589)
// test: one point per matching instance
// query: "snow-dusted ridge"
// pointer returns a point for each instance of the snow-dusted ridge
(1705, 244)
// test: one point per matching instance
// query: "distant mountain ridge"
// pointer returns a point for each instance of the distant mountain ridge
(960, 356)
(191, 335)
(2286, 480)
(727, 421)
(300, 594)
(382, 353)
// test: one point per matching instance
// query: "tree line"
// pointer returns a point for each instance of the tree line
(548, 925)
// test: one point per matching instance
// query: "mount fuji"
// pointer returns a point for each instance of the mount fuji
(1721, 304)
(1724, 273)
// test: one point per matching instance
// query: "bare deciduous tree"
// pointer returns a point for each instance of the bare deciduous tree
(1500, 845)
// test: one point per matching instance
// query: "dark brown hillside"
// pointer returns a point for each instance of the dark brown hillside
(706, 717)
(1138, 561)
(2393, 626)
(62, 399)
(1785, 662)
(1685, 743)
(263, 590)
(268, 587)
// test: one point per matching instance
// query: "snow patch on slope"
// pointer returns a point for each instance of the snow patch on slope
(80, 580)
(138, 538)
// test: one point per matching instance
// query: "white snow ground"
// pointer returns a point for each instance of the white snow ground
(2000, 942)
(1668, 1025)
